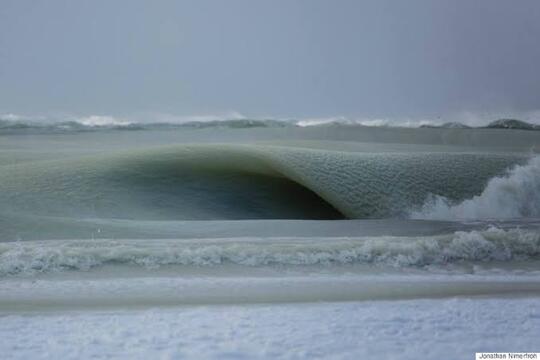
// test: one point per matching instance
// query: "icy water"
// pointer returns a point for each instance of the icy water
(132, 218)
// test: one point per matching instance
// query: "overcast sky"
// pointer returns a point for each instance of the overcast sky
(261, 58)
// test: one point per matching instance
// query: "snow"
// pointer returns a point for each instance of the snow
(452, 328)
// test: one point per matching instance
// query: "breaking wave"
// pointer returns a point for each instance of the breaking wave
(514, 195)
(493, 244)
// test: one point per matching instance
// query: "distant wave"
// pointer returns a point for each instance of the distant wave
(13, 124)
(510, 124)
(344, 121)
(515, 195)
(492, 244)
(447, 125)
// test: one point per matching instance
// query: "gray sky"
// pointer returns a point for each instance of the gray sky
(261, 58)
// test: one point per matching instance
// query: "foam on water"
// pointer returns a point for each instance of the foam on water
(514, 195)
(49, 256)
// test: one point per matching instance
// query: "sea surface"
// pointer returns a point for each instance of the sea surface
(237, 217)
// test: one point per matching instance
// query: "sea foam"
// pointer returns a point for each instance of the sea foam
(56, 255)
(514, 195)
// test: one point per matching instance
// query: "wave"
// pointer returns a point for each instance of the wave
(86, 124)
(515, 195)
(13, 124)
(493, 244)
(512, 124)
(367, 122)
(205, 182)
(509, 124)
(447, 125)
(101, 123)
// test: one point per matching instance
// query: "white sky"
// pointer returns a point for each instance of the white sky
(285, 58)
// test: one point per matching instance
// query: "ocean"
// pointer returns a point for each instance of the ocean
(324, 240)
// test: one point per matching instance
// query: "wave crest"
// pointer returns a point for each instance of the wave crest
(515, 195)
